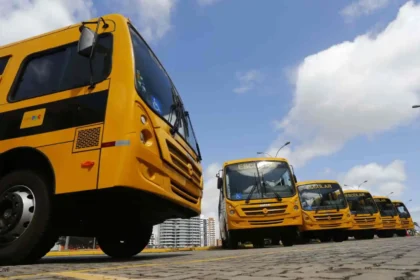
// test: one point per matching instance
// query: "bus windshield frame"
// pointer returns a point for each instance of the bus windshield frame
(360, 202)
(265, 179)
(157, 90)
(321, 192)
(405, 213)
(386, 207)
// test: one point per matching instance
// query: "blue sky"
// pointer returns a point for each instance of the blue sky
(336, 78)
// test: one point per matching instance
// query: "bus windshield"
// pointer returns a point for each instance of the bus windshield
(157, 90)
(321, 196)
(402, 210)
(386, 207)
(361, 203)
(263, 179)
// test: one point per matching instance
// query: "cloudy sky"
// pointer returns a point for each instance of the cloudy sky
(336, 78)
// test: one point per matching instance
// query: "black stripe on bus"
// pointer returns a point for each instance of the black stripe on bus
(67, 113)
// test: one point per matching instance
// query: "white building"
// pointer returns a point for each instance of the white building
(152, 241)
(211, 232)
(179, 233)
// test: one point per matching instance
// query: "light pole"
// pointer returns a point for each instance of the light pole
(361, 184)
(262, 153)
(415, 106)
(287, 143)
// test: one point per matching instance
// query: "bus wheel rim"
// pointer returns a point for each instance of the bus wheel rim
(17, 208)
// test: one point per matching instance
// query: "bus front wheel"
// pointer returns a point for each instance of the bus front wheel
(26, 232)
(125, 247)
(231, 242)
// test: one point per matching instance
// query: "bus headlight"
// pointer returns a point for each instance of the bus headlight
(296, 207)
(348, 215)
(232, 212)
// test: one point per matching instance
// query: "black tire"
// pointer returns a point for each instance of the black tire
(275, 241)
(232, 242)
(401, 233)
(125, 247)
(259, 243)
(339, 237)
(288, 240)
(325, 239)
(38, 238)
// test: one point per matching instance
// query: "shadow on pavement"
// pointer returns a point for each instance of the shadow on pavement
(106, 259)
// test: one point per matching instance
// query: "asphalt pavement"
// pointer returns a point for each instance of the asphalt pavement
(395, 258)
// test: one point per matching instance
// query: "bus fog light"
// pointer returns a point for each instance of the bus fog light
(143, 119)
(142, 138)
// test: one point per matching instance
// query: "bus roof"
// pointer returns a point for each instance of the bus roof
(108, 16)
(316, 182)
(380, 196)
(397, 201)
(356, 191)
(254, 159)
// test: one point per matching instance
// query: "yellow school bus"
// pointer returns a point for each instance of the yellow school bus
(94, 141)
(406, 220)
(326, 214)
(258, 200)
(366, 217)
(390, 218)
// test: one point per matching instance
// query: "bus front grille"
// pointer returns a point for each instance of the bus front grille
(328, 217)
(184, 193)
(266, 222)
(259, 211)
(364, 220)
(182, 162)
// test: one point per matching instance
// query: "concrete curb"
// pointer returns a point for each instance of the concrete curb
(99, 252)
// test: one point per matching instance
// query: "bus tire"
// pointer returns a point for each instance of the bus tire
(401, 233)
(125, 247)
(324, 239)
(339, 237)
(231, 242)
(26, 200)
(288, 240)
(259, 243)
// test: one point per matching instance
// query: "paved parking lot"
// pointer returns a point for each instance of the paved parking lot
(395, 258)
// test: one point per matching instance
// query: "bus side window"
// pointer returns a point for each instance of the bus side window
(61, 69)
(3, 63)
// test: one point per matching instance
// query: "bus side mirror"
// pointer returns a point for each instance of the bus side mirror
(294, 177)
(86, 41)
(219, 183)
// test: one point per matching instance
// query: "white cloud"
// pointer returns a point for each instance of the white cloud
(151, 17)
(210, 201)
(362, 87)
(207, 2)
(363, 7)
(248, 80)
(20, 19)
(381, 180)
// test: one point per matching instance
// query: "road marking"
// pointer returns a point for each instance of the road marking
(91, 276)
(159, 264)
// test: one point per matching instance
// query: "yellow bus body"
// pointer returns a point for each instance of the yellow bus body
(104, 152)
(324, 224)
(365, 225)
(260, 218)
(391, 223)
(407, 223)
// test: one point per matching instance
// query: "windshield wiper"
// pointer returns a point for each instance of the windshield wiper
(187, 115)
(252, 190)
(177, 108)
(265, 189)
